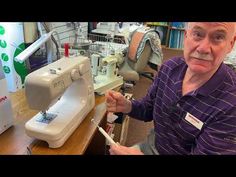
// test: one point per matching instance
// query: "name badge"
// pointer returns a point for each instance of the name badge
(194, 121)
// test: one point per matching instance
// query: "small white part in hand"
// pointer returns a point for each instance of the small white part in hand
(111, 117)
(111, 141)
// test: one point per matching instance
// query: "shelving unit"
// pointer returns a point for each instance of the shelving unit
(163, 28)
(172, 33)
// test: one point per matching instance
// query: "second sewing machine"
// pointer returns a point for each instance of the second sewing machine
(105, 72)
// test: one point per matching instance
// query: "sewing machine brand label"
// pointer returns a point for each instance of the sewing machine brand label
(194, 121)
(3, 99)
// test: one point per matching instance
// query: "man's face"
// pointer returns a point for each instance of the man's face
(206, 45)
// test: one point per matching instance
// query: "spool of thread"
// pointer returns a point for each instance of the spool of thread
(66, 47)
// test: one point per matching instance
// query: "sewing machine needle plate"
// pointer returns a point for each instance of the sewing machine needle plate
(47, 118)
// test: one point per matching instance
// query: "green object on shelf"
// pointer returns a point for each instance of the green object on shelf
(20, 68)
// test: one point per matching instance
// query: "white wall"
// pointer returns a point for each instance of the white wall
(65, 30)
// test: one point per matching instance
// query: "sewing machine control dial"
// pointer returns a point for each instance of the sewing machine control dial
(75, 74)
(82, 69)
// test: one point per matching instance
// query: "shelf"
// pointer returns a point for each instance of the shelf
(172, 36)
(170, 27)
(158, 25)
(175, 28)
(168, 48)
(153, 24)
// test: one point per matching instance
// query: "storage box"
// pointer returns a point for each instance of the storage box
(6, 115)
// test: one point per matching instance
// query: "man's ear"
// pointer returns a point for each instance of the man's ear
(232, 43)
(185, 34)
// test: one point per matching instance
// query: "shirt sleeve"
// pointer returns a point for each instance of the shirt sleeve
(142, 109)
(219, 137)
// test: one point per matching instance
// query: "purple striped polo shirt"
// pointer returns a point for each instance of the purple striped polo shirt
(214, 104)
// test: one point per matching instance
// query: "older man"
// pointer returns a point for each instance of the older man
(192, 101)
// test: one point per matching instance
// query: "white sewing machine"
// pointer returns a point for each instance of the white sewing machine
(67, 83)
(105, 73)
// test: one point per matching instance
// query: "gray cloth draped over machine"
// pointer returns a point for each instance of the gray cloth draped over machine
(144, 47)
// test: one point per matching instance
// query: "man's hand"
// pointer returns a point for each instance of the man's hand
(116, 102)
(123, 150)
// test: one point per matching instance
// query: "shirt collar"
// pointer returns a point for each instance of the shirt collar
(214, 82)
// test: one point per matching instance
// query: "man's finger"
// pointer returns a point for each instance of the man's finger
(110, 100)
(111, 109)
(117, 96)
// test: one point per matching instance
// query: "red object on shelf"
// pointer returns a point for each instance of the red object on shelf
(66, 47)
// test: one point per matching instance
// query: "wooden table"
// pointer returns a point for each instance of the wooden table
(15, 141)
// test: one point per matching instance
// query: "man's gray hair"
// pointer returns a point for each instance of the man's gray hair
(186, 26)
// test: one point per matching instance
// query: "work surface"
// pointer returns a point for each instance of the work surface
(15, 141)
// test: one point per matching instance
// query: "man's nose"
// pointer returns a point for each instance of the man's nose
(204, 46)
